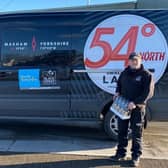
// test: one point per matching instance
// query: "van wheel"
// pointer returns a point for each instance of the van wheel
(111, 126)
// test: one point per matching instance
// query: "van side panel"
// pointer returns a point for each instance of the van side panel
(77, 96)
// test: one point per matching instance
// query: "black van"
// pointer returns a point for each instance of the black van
(44, 73)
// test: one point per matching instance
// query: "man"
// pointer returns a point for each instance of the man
(135, 84)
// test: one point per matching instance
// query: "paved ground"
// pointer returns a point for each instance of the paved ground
(55, 146)
(70, 161)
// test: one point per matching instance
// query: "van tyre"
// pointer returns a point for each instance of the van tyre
(111, 126)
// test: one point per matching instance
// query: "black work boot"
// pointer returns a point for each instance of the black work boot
(118, 157)
(135, 161)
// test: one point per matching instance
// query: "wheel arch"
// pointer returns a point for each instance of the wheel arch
(106, 107)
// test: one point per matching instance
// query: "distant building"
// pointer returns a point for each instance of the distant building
(134, 4)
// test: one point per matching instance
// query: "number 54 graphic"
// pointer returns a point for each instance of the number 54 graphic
(110, 54)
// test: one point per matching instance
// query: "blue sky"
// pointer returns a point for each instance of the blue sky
(15, 5)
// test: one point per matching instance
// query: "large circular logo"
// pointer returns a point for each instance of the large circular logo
(109, 44)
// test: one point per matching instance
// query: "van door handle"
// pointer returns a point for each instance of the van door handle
(79, 70)
(95, 70)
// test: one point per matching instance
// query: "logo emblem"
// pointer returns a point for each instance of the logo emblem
(109, 44)
(49, 77)
(138, 78)
(33, 43)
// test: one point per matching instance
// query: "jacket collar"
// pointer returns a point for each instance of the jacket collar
(134, 71)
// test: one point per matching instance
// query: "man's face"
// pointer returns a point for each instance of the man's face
(135, 63)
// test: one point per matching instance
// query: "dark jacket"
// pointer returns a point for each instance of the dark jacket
(136, 85)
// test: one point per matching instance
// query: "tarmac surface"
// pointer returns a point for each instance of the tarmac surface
(37, 145)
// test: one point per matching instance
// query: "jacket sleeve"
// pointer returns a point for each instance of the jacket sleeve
(118, 88)
(148, 91)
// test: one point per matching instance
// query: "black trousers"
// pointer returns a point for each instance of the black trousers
(137, 125)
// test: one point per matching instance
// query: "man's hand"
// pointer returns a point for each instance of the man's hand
(131, 106)
(115, 96)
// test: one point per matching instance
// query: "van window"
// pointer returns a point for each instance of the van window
(35, 46)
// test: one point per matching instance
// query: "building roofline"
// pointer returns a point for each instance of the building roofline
(97, 7)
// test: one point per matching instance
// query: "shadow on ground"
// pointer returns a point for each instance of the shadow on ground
(12, 160)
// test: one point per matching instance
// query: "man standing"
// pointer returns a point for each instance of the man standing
(135, 84)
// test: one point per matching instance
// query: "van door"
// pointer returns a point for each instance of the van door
(86, 98)
(34, 74)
